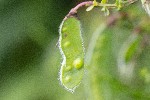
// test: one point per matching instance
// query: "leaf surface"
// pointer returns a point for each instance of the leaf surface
(71, 48)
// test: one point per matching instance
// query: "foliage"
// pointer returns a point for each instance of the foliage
(116, 48)
(70, 44)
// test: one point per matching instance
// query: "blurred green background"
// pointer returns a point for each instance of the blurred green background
(30, 60)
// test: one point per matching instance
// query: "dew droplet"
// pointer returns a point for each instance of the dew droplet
(78, 63)
(66, 44)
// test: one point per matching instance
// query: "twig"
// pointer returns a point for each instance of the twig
(73, 11)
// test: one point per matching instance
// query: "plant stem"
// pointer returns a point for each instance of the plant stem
(73, 11)
(107, 5)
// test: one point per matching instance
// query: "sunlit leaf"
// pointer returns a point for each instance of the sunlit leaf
(71, 48)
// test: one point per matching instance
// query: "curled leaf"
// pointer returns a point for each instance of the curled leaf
(71, 48)
(126, 57)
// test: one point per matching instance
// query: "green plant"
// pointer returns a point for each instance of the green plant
(71, 46)
(116, 51)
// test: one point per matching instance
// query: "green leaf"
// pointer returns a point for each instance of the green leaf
(129, 48)
(100, 67)
(127, 57)
(71, 48)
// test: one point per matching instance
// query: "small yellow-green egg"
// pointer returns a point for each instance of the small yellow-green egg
(66, 44)
(64, 29)
(68, 68)
(78, 63)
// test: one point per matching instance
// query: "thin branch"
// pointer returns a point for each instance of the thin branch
(73, 11)
(107, 5)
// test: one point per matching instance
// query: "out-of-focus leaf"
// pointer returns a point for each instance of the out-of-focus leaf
(146, 6)
(100, 67)
(127, 57)
(133, 44)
